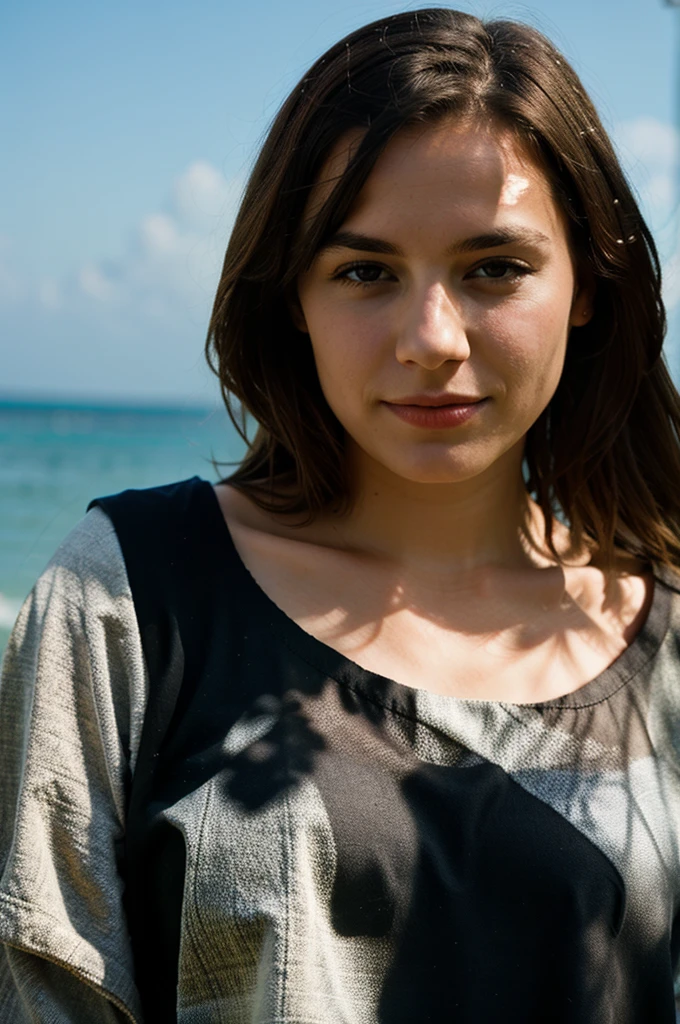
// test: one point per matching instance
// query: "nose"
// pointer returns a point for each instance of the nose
(432, 331)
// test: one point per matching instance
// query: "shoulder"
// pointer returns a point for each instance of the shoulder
(150, 522)
(88, 579)
(86, 570)
(89, 555)
(150, 501)
(76, 641)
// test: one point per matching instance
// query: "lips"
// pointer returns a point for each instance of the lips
(436, 412)
(435, 401)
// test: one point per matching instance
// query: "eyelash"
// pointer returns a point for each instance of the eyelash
(519, 270)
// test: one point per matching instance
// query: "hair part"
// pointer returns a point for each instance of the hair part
(605, 453)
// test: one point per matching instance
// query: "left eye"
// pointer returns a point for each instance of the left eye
(499, 270)
(362, 273)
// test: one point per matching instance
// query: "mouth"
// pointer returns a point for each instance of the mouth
(436, 412)
(436, 401)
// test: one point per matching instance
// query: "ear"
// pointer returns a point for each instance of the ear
(583, 302)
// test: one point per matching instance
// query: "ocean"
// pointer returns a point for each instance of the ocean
(55, 458)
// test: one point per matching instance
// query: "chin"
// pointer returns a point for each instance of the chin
(432, 463)
(437, 471)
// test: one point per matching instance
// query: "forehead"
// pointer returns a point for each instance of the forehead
(478, 175)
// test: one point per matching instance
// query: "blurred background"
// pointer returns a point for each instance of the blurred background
(129, 130)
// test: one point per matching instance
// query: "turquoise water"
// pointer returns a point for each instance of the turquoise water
(55, 458)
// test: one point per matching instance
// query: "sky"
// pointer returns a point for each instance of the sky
(132, 127)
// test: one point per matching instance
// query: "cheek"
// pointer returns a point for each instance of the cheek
(348, 351)
(530, 341)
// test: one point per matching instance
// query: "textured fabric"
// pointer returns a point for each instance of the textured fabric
(308, 842)
(72, 701)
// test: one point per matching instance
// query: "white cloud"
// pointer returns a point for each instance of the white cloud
(649, 140)
(660, 192)
(672, 282)
(159, 235)
(133, 325)
(650, 152)
(49, 294)
(202, 194)
(174, 258)
(95, 283)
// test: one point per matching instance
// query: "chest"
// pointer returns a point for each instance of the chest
(486, 644)
(523, 663)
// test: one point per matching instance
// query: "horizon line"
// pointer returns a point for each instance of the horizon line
(106, 403)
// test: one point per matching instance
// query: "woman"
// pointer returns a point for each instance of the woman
(383, 727)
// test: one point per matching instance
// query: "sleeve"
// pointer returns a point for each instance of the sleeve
(72, 697)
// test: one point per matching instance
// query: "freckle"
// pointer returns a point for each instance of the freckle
(619, 241)
(616, 202)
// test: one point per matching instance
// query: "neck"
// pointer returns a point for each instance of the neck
(442, 527)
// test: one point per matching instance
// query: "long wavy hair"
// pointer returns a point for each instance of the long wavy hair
(604, 456)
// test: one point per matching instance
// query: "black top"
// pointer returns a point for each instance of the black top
(372, 852)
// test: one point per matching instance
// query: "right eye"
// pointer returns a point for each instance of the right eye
(362, 274)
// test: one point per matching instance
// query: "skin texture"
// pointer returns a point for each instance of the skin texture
(430, 578)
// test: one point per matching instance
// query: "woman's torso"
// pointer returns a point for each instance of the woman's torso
(319, 842)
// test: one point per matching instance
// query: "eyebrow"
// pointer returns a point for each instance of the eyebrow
(490, 240)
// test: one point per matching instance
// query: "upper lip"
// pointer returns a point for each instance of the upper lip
(437, 400)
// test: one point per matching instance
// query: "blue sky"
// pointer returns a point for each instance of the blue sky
(132, 126)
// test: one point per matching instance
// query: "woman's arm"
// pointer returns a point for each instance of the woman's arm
(72, 701)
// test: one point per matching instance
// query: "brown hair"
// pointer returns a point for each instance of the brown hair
(605, 454)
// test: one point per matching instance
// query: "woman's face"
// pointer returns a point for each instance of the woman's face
(439, 313)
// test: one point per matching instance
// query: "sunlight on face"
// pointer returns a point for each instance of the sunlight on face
(514, 187)
(450, 282)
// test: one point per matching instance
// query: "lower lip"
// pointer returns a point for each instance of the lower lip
(439, 417)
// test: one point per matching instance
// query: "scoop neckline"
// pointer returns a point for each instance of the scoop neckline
(401, 696)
